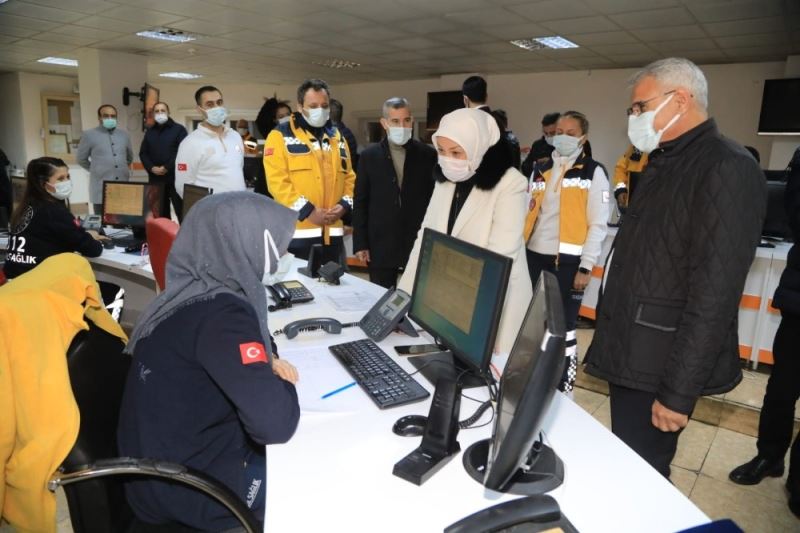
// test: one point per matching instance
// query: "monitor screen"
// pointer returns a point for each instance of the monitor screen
(533, 371)
(780, 114)
(127, 203)
(193, 194)
(17, 191)
(776, 221)
(441, 103)
(150, 98)
(458, 296)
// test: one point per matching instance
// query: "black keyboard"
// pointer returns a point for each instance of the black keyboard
(381, 378)
(127, 242)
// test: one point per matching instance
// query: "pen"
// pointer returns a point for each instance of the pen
(337, 391)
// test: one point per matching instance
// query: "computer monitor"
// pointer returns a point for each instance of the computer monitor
(458, 297)
(18, 186)
(130, 204)
(515, 460)
(193, 194)
(776, 221)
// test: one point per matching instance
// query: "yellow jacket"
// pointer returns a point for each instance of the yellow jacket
(631, 162)
(40, 313)
(299, 170)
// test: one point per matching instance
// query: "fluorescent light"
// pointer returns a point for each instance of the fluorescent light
(63, 61)
(541, 43)
(180, 75)
(337, 63)
(168, 34)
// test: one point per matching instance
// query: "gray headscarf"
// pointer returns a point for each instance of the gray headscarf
(220, 249)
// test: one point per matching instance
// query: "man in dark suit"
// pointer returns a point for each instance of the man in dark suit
(393, 186)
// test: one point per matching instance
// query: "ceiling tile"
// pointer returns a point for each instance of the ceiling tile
(13, 21)
(330, 20)
(380, 11)
(251, 37)
(75, 40)
(465, 37)
(610, 50)
(298, 45)
(24, 9)
(142, 16)
(610, 7)
(518, 31)
(706, 56)
(745, 41)
(601, 38)
(202, 27)
(655, 18)
(82, 6)
(590, 63)
(670, 33)
(14, 31)
(105, 23)
(225, 44)
(755, 53)
(580, 25)
(485, 17)
(415, 43)
(684, 45)
(723, 10)
(186, 8)
(553, 10)
(744, 27)
(494, 48)
(89, 33)
(6, 39)
(432, 25)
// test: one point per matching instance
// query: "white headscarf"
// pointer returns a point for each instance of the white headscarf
(474, 130)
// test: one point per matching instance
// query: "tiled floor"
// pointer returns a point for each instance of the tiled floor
(720, 436)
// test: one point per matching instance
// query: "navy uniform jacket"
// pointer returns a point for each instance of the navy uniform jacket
(200, 393)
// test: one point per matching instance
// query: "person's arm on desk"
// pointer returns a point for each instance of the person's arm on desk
(233, 353)
(65, 229)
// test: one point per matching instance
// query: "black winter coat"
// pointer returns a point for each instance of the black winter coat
(386, 219)
(159, 147)
(787, 295)
(667, 319)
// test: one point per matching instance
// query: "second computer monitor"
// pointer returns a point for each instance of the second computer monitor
(193, 194)
(458, 297)
(130, 204)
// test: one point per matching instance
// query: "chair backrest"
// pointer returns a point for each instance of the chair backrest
(161, 233)
(97, 370)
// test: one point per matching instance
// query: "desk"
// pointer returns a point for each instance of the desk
(335, 474)
(131, 272)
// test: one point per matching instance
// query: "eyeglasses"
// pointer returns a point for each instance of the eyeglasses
(637, 108)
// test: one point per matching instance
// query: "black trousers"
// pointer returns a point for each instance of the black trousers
(631, 421)
(171, 195)
(383, 276)
(334, 252)
(571, 299)
(783, 390)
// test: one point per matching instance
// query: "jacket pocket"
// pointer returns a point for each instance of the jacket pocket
(653, 332)
(299, 162)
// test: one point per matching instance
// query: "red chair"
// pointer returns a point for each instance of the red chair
(160, 234)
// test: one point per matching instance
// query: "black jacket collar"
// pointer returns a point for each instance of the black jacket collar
(496, 161)
(678, 145)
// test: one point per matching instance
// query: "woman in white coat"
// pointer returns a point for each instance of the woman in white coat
(480, 198)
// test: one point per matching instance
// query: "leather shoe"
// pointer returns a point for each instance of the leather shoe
(757, 469)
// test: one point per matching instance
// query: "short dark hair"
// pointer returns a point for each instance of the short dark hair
(336, 108)
(314, 83)
(198, 94)
(501, 116)
(99, 109)
(474, 88)
(164, 104)
(580, 117)
(550, 118)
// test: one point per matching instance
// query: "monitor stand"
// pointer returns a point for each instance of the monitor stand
(444, 365)
(545, 470)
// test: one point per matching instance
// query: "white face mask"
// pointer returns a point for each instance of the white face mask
(566, 145)
(161, 118)
(284, 262)
(549, 139)
(641, 132)
(455, 170)
(284, 120)
(398, 135)
(317, 117)
(62, 190)
(216, 116)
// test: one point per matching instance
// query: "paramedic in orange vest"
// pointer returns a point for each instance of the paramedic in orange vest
(568, 206)
(626, 174)
(309, 170)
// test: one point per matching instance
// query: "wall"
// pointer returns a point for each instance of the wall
(11, 141)
(734, 101)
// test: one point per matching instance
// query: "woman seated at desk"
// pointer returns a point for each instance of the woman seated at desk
(41, 225)
(206, 388)
(479, 197)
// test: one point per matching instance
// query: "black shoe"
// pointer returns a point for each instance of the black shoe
(753, 472)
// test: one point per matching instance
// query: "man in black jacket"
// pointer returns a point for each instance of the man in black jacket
(393, 186)
(783, 388)
(667, 329)
(542, 148)
(157, 153)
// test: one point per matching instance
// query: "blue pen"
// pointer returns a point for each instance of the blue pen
(337, 391)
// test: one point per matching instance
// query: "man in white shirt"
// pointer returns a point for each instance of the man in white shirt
(212, 155)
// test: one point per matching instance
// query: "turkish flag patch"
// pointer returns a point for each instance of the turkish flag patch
(183, 167)
(253, 352)
(269, 151)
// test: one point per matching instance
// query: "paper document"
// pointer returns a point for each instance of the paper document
(320, 374)
(352, 301)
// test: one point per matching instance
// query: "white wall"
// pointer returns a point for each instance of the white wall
(12, 141)
(734, 101)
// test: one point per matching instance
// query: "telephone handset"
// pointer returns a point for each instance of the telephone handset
(330, 325)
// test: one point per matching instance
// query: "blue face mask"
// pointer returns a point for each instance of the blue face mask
(109, 123)
(216, 116)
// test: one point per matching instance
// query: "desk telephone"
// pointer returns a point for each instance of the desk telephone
(92, 222)
(385, 316)
(286, 293)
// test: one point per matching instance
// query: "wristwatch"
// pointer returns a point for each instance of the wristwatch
(584, 270)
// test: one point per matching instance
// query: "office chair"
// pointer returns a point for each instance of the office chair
(161, 233)
(98, 370)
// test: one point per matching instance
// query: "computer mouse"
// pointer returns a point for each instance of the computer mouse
(410, 426)
(108, 244)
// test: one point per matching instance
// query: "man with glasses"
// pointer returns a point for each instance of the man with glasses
(106, 153)
(666, 325)
(212, 155)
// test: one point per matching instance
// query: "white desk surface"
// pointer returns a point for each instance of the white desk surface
(335, 474)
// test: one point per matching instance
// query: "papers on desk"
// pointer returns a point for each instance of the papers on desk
(320, 374)
(351, 301)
